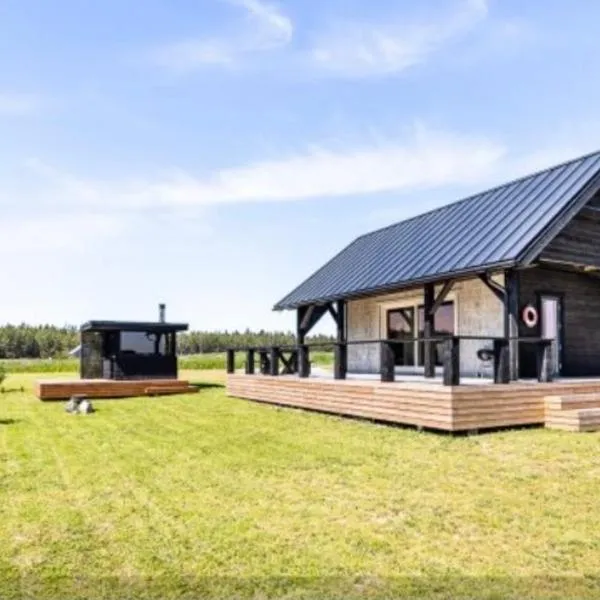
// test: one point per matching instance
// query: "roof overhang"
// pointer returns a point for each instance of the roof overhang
(142, 326)
(402, 286)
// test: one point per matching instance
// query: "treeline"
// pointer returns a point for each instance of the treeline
(201, 342)
(43, 341)
(49, 341)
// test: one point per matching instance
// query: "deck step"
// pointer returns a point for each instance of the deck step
(579, 419)
(572, 401)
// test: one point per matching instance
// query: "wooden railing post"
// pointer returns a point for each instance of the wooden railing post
(250, 361)
(340, 367)
(274, 362)
(544, 361)
(230, 360)
(387, 361)
(303, 361)
(452, 361)
(264, 362)
(501, 361)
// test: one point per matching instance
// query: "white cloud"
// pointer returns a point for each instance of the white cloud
(267, 28)
(18, 104)
(427, 159)
(363, 49)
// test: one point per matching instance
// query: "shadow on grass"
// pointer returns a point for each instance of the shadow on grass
(8, 421)
(207, 385)
(18, 390)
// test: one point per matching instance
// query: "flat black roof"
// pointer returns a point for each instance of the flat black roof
(154, 327)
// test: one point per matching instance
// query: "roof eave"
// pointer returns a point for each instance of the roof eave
(507, 264)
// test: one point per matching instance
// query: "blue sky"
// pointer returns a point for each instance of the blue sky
(212, 153)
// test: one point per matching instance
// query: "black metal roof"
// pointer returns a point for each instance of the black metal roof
(495, 229)
(154, 327)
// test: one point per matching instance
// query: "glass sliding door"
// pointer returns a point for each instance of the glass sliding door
(401, 326)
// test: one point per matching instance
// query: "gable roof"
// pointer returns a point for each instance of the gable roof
(495, 229)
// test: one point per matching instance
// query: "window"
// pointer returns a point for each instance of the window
(443, 325)
(408, 323)
(140, 342)
(401, 325)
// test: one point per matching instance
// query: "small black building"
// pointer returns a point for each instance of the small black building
(129, 350)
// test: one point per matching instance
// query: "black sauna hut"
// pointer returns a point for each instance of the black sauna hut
(129, 349)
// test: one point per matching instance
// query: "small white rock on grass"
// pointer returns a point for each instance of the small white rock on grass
(79, 406)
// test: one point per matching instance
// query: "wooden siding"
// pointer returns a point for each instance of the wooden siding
(477, 312)
(428, 405)
(581, 318)
(56, 389)
(577, 244)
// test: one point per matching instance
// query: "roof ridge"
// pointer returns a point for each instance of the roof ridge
(479, 194)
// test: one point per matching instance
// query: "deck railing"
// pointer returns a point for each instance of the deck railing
(295, 360)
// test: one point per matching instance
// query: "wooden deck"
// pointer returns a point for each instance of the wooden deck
(57, 389)
(428, 405)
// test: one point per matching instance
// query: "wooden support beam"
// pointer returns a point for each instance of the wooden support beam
(442, 295)
(274, 361)
(265, 365)
(303, 361)
(301, 318)
(230, 360)
(333, 313)
(308, 317)
(501, 361)
(290, 364)
(428, 329)
(340, 361)
(387, 362)
(452, 361)
(511, 321)
(341, 350)
(250, 362)
(495, 288)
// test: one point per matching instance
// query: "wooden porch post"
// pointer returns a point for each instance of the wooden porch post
(300, 333)
(452, 361)
(341, 354)
(428, 329)
(230, 360)
(250, 362)
(511, 321)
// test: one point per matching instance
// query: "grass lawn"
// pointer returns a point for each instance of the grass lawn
(202, 496)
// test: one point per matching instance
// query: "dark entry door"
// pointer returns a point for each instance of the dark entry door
(551, 327)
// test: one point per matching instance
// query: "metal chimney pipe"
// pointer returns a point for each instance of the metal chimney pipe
(162, 312)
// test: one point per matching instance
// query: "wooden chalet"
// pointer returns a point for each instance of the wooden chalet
(502, 287)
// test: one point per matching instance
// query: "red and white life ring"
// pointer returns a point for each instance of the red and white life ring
(530, 316)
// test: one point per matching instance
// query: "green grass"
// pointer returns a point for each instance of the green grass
(203, 496)
(192, 362)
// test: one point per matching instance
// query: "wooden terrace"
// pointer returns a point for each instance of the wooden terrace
(449, 403)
